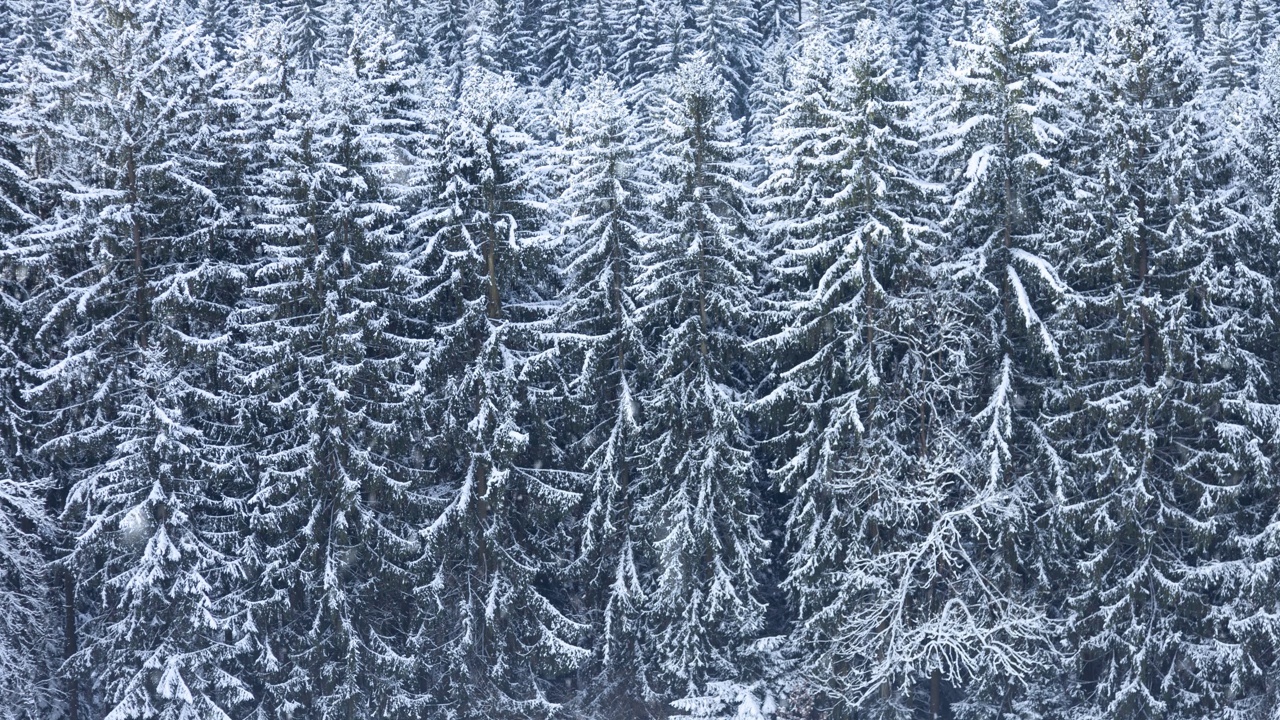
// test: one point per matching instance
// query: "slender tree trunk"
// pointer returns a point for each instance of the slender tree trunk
(72, 642)
(135, 235)
(935, 694)
(1006, 237)
(1144, 259)
(698, 143)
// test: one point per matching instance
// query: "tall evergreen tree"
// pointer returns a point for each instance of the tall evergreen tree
(26, 615)
(700, 502)
(125, 326)
(306, 27)
(497, 39)
(25, 631)
(1076, 21)
(1167, 409)
(1225, 52)
(726, 34)
(489, 634)
(329, 377)
(853, 377)
(1000, 103)
(1252, 151)
(636, 37)
(1258, 20)
(560, 39)
(917, 22)
(603, 353)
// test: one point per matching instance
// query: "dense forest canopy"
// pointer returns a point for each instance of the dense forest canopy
(624, 359)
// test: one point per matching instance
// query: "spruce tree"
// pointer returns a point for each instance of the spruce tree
(846, 210)
(25, 628)
(488, 635)
(731, 43)
(125, 328)
(306, 27)
(1078, 22)
(603, 355)
(1225, 52)
(700, 502)
(1166, 410)
(1252, 150)
(636, 36)
(1258, 20)
(328, 387)
(497, 41)
(998, 128)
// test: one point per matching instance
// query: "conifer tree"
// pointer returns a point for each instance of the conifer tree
(636, 28)
(560, 39)
(306, 27)
(444, 26)
(1258, 26)
(497, 40)
(865, 399)
(701, 485)
(769, 87)
(328, 381)
(998, 128)
(917, 22)
(606, 223)
(1252, 152)
(852, 250)
(125, 323)
(1225, 52)
(774, 19)
(1076, 21)
(731, 43)
(25, 627)
(489, 634)
(1166, 408)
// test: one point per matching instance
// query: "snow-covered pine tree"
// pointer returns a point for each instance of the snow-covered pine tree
(674, 35)
(1190, 18)
(1168, 407)
(1225, 51)
(219, 21)
(636, 35)
(560, 38)
(859, 385)
(957, 19)
(768, 89)
(1258, 19)
(32, 27)
(917, 22)
(489, 634)
(774, 19)
(1077, 22)
(602, 356)
(999, 104)
(250, 101)
(125, 325)
(726, 34)
(306, 27)
(329, 380)
(700, 504)
(25, 613)
(597, 53)
(496, 39)
(29, 78)
(441, 29)
(18, 193)
(1252, 147)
